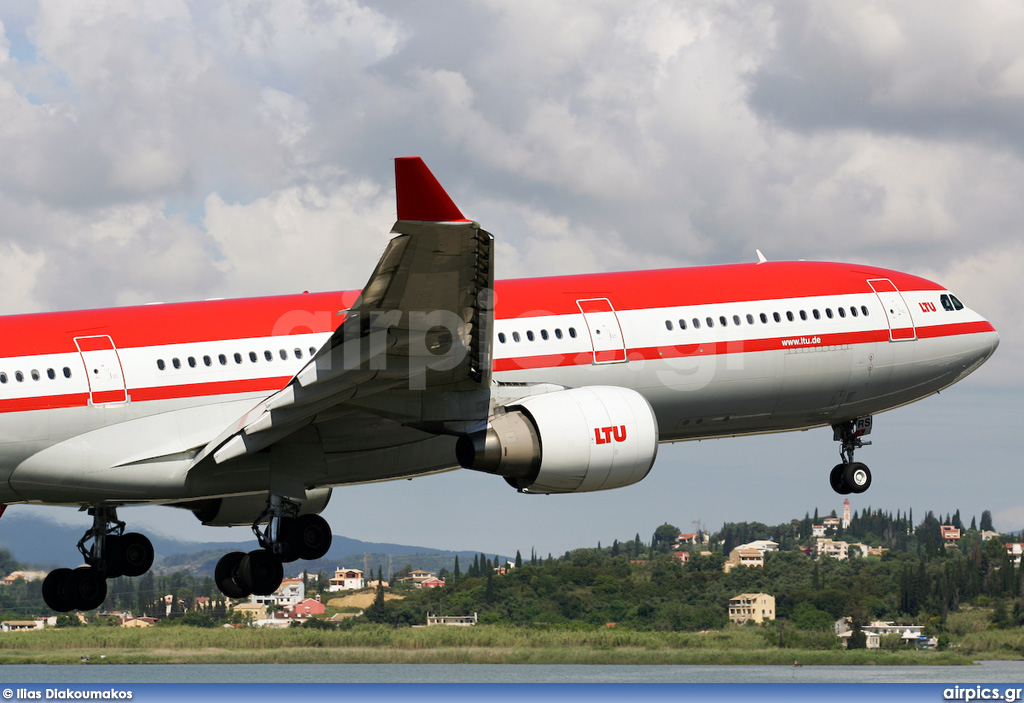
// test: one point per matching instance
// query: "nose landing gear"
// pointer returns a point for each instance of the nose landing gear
(850, 476)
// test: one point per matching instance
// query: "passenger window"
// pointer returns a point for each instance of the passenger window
(3, 377)
(515, 337)
(711, 323)
(682, 324)
(19, 376)
(312, 351)
(722, 321)
(864, 310)
(67, 372)
(35, 375)
(736, 319)
(192, 362)
(544, 335)
(222, 359)
(776, 317)
(51, 374)
(853, 311)
(529, 335)
(501, 337)
(750, 319)
(668, 325)
(789, 316)
(803, 314)
(253, 357)
(160, 364)
(764, 319)
(297, 352)
(207, 360)
(842, 312)
(828, 313)
(572, 332)
(238, 358)
(268, 355)
(817, 315)
(558, 332)
(176, 362)
(696, 324)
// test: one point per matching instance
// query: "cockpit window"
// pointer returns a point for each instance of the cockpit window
(946, 304)
(956, 303)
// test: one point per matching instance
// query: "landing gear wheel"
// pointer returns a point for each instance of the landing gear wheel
(52, 595)
(288, 541)
(113, 565)
(857, 477)
(134, 554)
(261, 572)
(226, 575)
(311, 535)
(84, 588)
(835, 479)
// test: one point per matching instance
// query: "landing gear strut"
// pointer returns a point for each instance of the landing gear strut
(283, 536)
(850, 476)
(112, 553)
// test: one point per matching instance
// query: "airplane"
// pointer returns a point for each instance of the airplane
(248, 412)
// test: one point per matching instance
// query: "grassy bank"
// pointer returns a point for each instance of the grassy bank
(441, 645)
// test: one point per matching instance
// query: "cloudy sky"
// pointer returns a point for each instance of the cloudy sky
(166, 150)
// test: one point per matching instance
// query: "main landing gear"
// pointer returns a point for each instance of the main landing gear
(113, 553)
(286, 537)
(851, 476)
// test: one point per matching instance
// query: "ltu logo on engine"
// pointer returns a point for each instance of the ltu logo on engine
(605, 435)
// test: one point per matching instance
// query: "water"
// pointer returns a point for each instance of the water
(986, 672)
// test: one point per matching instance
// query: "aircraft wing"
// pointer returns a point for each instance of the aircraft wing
(414, 351)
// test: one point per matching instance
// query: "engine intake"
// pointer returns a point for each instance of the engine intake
(571, 441)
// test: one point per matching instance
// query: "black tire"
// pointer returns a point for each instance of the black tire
(84, 588)
(288, 542)
(260, 572)
(52, 595)
(113, 565)
(226, 576)
(311, 535)
(135, 555)
(857, 477)
(835, 478)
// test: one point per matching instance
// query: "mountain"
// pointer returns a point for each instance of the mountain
(38, 542)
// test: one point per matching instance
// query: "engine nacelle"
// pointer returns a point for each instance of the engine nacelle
(572, 441)
(239, 511)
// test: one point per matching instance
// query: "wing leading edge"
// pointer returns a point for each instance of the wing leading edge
(415, 348)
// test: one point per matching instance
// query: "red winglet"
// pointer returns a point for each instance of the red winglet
(420, 196)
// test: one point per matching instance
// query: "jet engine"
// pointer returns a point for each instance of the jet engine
(568, 441)
(238, 511)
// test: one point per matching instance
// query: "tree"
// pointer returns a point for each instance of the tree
(377, 611)
(519, 559)
(664, 537)
(457, 572)
(986, 521)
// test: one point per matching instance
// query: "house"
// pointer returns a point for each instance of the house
(831, 523)
(688, 538)
(910, 634)
(949, 533)
(290, 592)
(456, 620)
(817, 530)
(1014, 550)
(253, 611)
(431, 583)
(986, 535)
(26, 575)
(418, 576)
(750, 554)
(20, 625)
(831, 548)
(752, 606)
(347, 580)
(861, 549)
(139, 622)
(681, 557)
(310, 606)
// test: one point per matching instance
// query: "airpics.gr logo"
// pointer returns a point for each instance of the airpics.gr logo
(607, 435)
